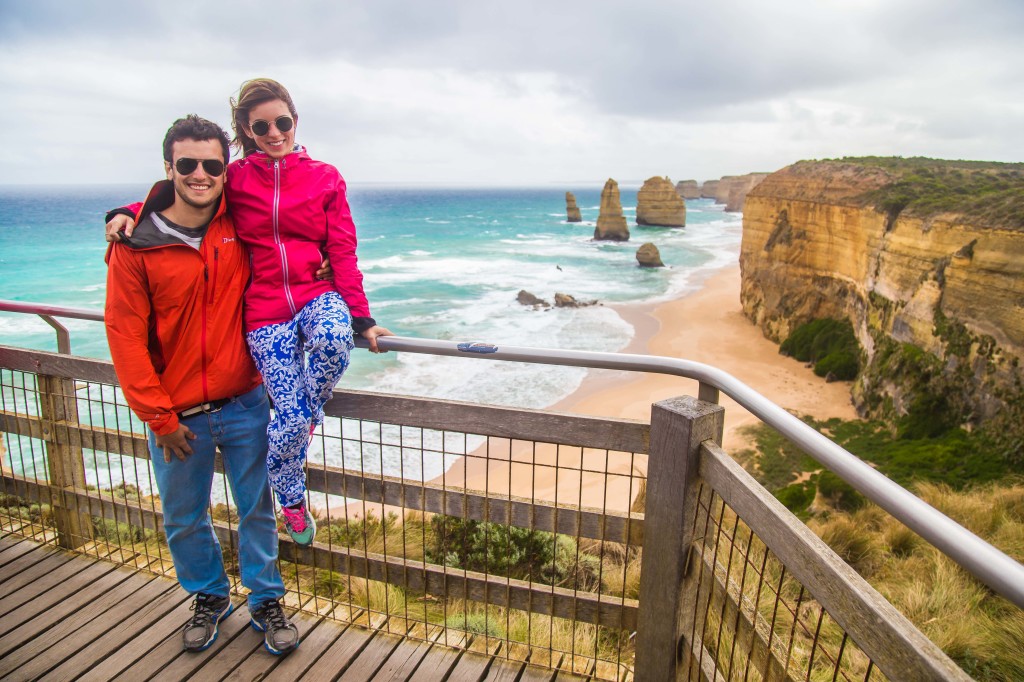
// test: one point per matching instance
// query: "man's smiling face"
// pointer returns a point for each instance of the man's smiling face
(198, 188)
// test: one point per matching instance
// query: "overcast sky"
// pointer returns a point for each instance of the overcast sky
(525, 92)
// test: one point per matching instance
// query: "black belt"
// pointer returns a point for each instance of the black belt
(212, 406)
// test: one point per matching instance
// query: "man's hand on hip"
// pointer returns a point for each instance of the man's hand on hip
(177, 443)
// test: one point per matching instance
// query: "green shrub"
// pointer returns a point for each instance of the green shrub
(840, 493)
(493, 548)
(830, 344)
(796, 497)
(476, 623)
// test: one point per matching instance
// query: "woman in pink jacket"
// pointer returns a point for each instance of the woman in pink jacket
(291, 211)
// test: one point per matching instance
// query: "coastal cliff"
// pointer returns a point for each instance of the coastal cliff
(658, 203)
(924, 258)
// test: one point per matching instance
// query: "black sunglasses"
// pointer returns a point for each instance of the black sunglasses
(187, 166)
(261, 127)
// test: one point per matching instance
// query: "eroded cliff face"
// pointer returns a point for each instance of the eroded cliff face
(658, 203)
(937, 303)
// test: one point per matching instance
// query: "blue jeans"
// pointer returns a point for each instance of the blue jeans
(239, 430)
(301, 361)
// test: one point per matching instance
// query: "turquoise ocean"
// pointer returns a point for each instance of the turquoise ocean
(438, 263)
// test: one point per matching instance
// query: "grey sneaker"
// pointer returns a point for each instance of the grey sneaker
(279, 634)
(201, 629)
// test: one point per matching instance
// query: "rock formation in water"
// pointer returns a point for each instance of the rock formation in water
(708, 189)
(572, 211)
(739, 188)
(658, 203)
(688, 189)
(648, 256)
(611, 224)
(526, 298)
(925, 258)
(567, 301)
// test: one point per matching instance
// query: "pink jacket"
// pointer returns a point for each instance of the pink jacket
(288, 213)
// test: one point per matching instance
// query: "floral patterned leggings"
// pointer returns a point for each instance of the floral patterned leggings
(301, 361)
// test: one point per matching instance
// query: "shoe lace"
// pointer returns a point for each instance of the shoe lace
(295, 518)
(204, 610)
(272, 614)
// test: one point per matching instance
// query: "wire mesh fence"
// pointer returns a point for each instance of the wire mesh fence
(516, 532)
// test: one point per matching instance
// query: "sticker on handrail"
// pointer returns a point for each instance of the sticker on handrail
(477, 347)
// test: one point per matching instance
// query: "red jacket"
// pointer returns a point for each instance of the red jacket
(288, 213)
(174, 317)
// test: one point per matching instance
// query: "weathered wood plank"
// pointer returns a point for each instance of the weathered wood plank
(339, 655)
(31, 584)
(371, 657)
(178, 665)
(106, 635)
(403, 661)
(261, 663)
(896, 646)
(471, 667)
(678, 427)
(28, 620)
(17, 557)
(440, 659)
(503, 670)
(55, 364)
(145, 646)
(245, 649)
(316, 640)
(72, 632)
(620, 435)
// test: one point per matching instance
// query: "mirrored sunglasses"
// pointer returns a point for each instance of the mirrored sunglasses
(187, 166)
(261, 127)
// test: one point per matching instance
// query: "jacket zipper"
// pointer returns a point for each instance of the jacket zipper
(202, 337)
(216, 263)
(277, 237)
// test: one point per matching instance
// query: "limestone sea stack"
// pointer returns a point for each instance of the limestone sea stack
(648, 256)
(611, 224)
(658, 203)
(740, 188)
(688, 189)
(708, 189)
(572, 211)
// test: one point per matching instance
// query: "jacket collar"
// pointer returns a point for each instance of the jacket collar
(260, 158)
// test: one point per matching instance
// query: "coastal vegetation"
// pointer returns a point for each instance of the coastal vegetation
(991, 193)
(953, 471)
(829, 344)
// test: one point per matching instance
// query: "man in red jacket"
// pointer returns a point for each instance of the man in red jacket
(174, 325)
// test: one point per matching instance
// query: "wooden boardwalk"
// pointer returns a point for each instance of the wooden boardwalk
(68, 617)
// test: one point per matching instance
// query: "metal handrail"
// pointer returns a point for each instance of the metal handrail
(985, 562)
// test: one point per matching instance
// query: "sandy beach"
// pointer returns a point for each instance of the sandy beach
(707, 326)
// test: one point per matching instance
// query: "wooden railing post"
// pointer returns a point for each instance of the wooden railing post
(59, 409)
(678, 427)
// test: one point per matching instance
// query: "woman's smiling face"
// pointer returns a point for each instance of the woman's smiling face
(275, 143)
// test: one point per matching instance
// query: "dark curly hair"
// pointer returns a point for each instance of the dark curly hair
(193, 127)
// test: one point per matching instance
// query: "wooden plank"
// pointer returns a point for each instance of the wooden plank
(439, 661)
(896, 646)
(471, 667)
(30, 619)
(537, 673)
(620, 435)
(245, 649)
(504, 670)
(403, 661)
(170, 662)
(125, 621)
(47, 589)
(55, 561)
(678, 427)
(261, 663)
(31, 585)
(317, 640)
(141, 647)
(339, 655)
(80, 626)
(15, 555)
(55, 364)
(371, 658)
